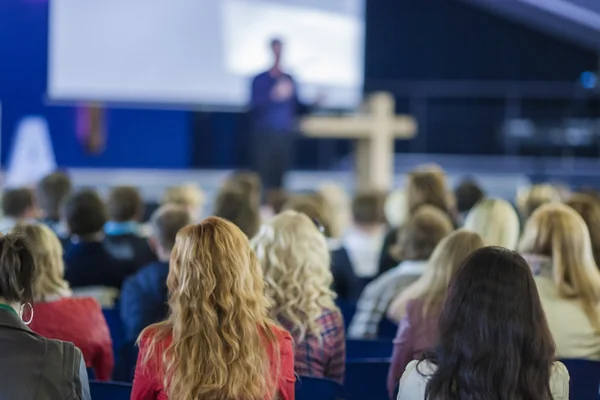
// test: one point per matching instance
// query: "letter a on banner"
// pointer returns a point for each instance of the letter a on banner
(32, 156)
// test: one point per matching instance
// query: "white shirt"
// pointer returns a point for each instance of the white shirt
(573, 333)
(364, 249)
(414, 382)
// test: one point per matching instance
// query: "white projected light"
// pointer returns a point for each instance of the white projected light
(203, 52)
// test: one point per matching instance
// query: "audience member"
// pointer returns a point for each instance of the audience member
(53, 369)
(589, 209)
(395, 209)
(419, 306)
(556, 243)
(338, 206)
(426, 185)
(468, 193)
(529, 199)
(276, 199)
(218, 341)
(496, 221)
(416, 241)
(123, 232)
(356, 263)
(314, 206)
(237, 206)
(189, 196)
(144, 295)
(57, 314)
(18, 206)
(494, 341)
(248, 182)
(87, 261)
(51, 192)
(295, 261)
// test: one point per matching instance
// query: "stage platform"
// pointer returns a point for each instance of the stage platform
(500, 176)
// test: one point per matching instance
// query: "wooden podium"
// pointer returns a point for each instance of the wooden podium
(374, 132)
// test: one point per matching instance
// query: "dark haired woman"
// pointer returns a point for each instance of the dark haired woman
(494, 339)
(33, 365)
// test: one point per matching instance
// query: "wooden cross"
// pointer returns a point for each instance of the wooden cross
(374, 133)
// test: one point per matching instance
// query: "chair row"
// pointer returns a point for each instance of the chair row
(366, 380)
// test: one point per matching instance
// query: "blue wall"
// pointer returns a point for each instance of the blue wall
(136, 139)
(406, 40)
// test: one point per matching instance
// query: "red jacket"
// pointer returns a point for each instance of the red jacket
(149, 386)
(80, 321)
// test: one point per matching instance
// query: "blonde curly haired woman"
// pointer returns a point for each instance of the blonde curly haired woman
(556, 244)
(218, 341)
(296, 264)
(418, 307)
(57, 314)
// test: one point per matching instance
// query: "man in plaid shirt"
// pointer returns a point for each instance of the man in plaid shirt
(416, 241)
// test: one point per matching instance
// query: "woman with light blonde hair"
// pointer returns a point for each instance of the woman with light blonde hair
(431, 286)
(418, 307)
(556, 243)
(218, 341)
(189, 196)
(339, 205)
(496, 221)
(530, 198)
(55, 313)
(296, 265)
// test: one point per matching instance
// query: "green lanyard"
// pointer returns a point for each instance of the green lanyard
(8, 308)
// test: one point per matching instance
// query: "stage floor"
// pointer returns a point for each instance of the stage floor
(500, 176)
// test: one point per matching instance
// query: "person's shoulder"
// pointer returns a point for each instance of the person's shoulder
(58, 350)
(559, 371)
(150, 273)
(414, 308)
(559, 381)
(156, 333)
(261, 75)
(377, 286)
(87, 304)
(331, 313)
(415, 378)
(280, 333)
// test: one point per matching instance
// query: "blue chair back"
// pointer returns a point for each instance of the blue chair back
(387, 329)
(585, 379)
(318, 389)
(110, 390)
(91, 374)
(127, 359)
(348, 308)
(115, 326)
(367, 348)
(367, 379)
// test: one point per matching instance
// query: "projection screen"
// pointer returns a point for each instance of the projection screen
(202, 52)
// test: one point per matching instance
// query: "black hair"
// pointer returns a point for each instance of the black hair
(85, 213)
(467, 193)
(16, 202)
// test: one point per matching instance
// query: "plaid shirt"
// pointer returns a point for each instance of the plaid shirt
(378, 295)
(325, 358)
